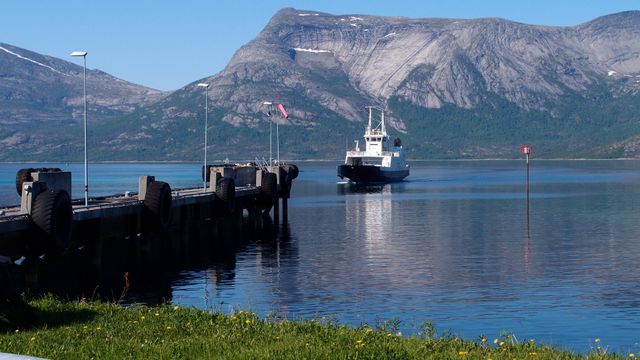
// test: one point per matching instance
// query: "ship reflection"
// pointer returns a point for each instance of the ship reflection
(355, 188)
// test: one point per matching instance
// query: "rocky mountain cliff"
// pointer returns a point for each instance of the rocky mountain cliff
(455, 88)
(451, 88)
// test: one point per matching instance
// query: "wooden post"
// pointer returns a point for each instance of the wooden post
(276, 210)
(285, 211)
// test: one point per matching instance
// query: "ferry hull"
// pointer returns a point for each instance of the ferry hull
(370, 174)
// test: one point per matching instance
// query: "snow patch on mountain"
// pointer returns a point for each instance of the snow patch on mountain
(30, 60)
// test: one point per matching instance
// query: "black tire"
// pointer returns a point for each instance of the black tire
(22, 176)
(285, 181)
(226, 192)
(292, 170)
(157, 200)
(52, 214)
(268, 191)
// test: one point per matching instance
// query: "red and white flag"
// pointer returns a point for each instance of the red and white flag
(283, 111)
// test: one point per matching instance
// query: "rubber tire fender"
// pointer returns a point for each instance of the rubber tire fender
(52, 214)
(158, 200)
(226, 191)
(22, 176)
(293, 171)
(268, 191)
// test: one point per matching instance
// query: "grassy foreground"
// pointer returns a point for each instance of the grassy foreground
(88, 330)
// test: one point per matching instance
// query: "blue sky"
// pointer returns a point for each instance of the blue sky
(167, 44)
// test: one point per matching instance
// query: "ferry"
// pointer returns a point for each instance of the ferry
(380, 162)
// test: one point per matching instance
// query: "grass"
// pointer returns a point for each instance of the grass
(90, 330)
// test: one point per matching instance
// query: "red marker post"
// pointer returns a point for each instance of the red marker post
(526, 151)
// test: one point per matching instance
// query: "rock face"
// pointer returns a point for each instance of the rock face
(454, 89)
(429, 62)
(326, 67)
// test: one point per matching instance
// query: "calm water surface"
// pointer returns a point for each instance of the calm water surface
(457, 244)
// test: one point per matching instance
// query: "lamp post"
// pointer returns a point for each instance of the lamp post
(86, 166)
(206, 122)
(269, 105)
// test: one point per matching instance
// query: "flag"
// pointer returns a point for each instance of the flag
(283, 111)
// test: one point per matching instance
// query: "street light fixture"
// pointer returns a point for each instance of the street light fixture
(206, 121)
(86, 166)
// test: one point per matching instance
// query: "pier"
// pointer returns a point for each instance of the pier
(48, 223)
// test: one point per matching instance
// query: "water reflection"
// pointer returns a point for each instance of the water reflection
(159, 268)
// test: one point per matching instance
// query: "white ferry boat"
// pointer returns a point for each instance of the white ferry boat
(380, 162)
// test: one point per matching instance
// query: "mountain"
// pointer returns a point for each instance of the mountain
(41, 104)
(451, 88)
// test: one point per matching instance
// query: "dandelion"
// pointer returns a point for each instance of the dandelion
(501, 343)
(462, 353)
(495, 341)
(484, 339)
(157, 314)
(234, 318)
(632, 355)
(168, 327)
(142, 317)
(597, 340)
(389, 334)
(248, 321)
(359, 344)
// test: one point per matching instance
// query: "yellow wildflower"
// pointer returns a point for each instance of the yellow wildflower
(359, 343)
(462, 353)
(142, 317)
(168, 327)
(33, 338)
(369, 330)
(157, 314)
(495, 341)
(597, 340)
(389, 334)
(533, 353)
(632, 355)
(233, 318)
(17, 331)
(248, 321)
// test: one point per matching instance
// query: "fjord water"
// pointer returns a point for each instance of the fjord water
(457, 244)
